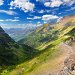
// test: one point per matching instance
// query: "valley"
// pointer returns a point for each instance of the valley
(46, 51)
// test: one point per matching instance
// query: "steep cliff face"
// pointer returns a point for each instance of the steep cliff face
(69, 62)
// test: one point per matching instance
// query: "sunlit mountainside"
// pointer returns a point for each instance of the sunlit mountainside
(47, 32)
(54, 51)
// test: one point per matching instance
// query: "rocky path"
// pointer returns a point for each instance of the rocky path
(64, 63)
(69, 62)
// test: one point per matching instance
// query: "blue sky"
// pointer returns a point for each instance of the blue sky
(24, 13)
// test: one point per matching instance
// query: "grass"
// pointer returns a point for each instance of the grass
(42, 61)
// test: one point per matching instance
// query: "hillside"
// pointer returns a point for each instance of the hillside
(11, 53)
(54, 53)
(46, 33)
(39, 36)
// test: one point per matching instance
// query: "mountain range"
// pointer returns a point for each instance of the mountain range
(18, 33)
(11, 52)
(47, 32)
(49, 50)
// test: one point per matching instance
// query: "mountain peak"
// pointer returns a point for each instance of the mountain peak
(66, 19)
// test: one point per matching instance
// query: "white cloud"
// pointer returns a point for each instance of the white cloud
(29, 18)
(1, 20)
(29, 25)
(48, 17)
(1, 2)
(16, 17)
(44, 17)
(69, 2)
(9, 20)
(59, 19)
(37, 0)
(45, 22)
(41, 11)
(24, 5)
(35, 17)
(53, 3)
(45, 11)
(38, 22)
(9, 12)
(47, 4)
(56, 3)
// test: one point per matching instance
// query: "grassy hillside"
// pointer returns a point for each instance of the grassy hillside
(47, 57)
(11, 53)
(50, 56)
(46, 33)
(39, 36)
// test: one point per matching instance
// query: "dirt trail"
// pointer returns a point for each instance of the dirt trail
(67, 51)
(58, 63)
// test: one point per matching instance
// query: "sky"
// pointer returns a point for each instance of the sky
(32, 13)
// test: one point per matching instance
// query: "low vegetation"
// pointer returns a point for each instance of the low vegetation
(46, 45)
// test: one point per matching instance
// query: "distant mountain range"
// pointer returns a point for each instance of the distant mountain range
(19, 33)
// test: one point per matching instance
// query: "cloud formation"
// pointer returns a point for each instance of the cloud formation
(24, 5)
(49, 17)
(9, 12)
(41, 11)
(44, 17)
(9, 20)
(24, 25)
(35, 17)
(1, 2)
(57, 3)
(47, 4)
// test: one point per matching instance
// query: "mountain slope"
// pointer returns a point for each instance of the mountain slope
(52, 53)
(46, 33)
(38, 36)
(12, 53)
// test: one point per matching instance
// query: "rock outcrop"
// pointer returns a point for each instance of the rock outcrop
(69, 64)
